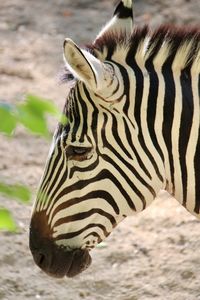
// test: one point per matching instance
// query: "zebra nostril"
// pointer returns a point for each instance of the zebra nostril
(41, 260)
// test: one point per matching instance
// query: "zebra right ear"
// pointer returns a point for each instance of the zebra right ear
(122, 20)
(87, 68)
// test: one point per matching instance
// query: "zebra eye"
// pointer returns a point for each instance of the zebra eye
(78, 153)
(80, 150)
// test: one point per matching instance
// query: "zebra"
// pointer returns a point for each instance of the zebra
(133, 129)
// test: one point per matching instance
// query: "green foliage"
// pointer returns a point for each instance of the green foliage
(16, 191)
(6, 221)
(32, 115)
(8, 121)
(19, 192)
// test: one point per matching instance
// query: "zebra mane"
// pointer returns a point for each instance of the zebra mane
(180, 45)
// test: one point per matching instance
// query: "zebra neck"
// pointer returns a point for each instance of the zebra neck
(167, 117)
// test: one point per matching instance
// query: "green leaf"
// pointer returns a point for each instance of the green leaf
(62, 119)
(32, 114)
(43, 106)
(8, 121)
(36, 123)
(6, 221)
(16, 191)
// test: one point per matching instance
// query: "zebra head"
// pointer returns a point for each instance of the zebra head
(86, 189)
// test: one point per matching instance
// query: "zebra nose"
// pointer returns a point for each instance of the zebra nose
(58, 262)
(52, 259)
(55, 260)
(42, 258)
(46, 253)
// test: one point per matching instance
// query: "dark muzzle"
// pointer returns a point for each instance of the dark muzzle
(56, 261)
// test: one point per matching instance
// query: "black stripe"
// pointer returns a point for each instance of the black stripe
(110, 51)
(126, 92)
(53, 160)
(197, 168)
(116, 136)
(71, 235)
(84, 215)
(118, 184)
(127, 165)
(93, 195)
(185, 126)
(70, 105)
(123, 12)
(126, 87)
(55, 181)
(95, 114)
(137, 112)
(127, 197)
(91, 167)
(197, 176)
(168, 112)
(76, 117)
(46, 173)
(84, 113)
(152, 104)
(94, 234)
(60, 183)
(130, 141)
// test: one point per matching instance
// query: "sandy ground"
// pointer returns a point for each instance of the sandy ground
(154, 255)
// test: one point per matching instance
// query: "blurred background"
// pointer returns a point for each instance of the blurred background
(154, 255)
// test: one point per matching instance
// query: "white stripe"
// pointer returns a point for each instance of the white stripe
(175, 137)
(191, 148)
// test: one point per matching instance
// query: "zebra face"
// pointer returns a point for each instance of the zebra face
(76, 207)
(86, 188)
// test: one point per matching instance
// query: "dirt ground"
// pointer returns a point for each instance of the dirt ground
(154, 255)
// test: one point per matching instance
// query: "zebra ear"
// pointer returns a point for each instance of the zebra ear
(122, 20)
(85, 67)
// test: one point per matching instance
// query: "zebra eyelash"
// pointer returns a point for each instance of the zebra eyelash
(77, 152)
(66, 76)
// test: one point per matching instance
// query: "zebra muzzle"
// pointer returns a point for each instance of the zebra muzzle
(57, 261)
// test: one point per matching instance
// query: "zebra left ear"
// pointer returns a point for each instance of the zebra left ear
(122, 20)
(85, 67)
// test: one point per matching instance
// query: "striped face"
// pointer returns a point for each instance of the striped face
(81, 195)
(86, 189)
(94, 176)
(82, 187)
